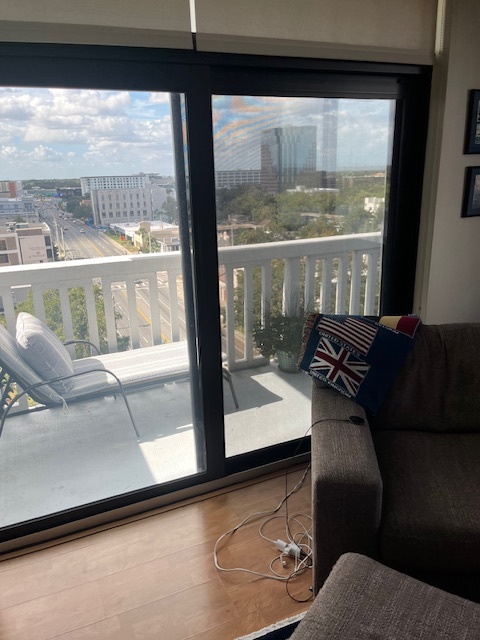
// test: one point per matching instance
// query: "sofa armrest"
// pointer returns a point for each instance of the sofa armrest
(346, 483)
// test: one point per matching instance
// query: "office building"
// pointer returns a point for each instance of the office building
(288, 156)
(126, 198)
(229, 179)
(25, 244)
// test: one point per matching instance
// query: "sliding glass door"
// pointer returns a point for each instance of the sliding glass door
(96, 184)
(301, 189)
(183, 203)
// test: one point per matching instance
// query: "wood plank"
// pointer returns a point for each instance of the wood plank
(46, 617)
(155, 577)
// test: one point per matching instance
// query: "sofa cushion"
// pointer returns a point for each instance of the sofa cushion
(431, 500)
(43, 351)
(438, 386)
(364, 600)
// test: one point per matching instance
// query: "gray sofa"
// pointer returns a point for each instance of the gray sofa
(364, 600)
(404, 487)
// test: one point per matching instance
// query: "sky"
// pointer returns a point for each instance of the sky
(69, 133)
(363, 128)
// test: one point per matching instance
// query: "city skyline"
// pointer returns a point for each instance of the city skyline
(69, 133)
(363, 129)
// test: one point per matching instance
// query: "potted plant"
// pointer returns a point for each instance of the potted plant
(281, 336)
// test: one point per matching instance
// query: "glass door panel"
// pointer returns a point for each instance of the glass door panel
(301, 191)
(89, 193)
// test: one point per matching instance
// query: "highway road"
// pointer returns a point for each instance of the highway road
(76, 240)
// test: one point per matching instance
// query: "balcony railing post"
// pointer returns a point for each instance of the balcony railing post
(356, 281)
(266, 291)
(291, 287)
(327, 272)
(341, 294)
(230, 318)
(248, 313)
(372, 258)
(310, 273)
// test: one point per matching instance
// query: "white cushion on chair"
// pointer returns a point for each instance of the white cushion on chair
(13, 364)
(43, 351)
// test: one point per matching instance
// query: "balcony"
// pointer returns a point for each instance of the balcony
(58, 458)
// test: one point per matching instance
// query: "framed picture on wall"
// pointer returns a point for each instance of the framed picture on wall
(471, 194)
(472, 130)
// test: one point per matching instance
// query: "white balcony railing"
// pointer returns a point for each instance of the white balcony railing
(336, 274)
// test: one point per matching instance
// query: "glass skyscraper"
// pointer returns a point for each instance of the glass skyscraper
(288, 157)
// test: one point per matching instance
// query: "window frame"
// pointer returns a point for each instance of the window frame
(198, 76)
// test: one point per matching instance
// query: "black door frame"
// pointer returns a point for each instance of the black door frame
(197, 76)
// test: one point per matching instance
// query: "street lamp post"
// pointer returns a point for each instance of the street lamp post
(63, 244)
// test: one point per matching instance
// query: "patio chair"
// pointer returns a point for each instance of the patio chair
(41, 365)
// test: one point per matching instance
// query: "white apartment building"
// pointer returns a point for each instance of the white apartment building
(166, 234)
(25, 244)
(120, 205)
(126, 198)
(94, 183)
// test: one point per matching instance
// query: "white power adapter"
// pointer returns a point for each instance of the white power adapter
(290, 549)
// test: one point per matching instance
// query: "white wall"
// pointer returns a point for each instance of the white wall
(449, 265)
(144, 23)
(386, 30)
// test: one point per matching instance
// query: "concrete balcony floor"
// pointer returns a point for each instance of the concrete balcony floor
(57, 459)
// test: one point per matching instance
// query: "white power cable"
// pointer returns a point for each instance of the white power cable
(301, 563)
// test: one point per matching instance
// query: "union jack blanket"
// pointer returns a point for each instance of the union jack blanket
(356, 356)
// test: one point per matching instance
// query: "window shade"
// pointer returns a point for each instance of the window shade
(377, 30)
(147, 23)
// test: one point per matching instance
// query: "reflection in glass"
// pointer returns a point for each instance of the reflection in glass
(301, 190)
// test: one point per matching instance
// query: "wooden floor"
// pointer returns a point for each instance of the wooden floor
(155, 577)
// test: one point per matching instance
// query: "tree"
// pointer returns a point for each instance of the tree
(149, 243)
(359, 221)
(54, 318)
(289, 220)
(252, 236)
(51, 184)
(170, 208)
(307, 202)
(78, 208)
(245, 201)
(319, 228)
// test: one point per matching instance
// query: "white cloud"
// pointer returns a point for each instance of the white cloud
(73, 128)
(158, 98)
(45, 154)
(88, 102)
(9, 152)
